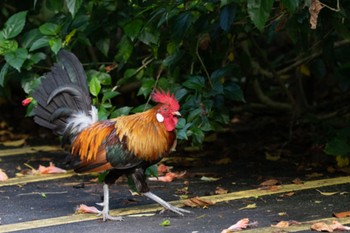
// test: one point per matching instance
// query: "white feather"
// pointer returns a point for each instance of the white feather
(79, 121)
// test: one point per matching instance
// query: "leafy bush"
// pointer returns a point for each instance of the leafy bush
(203, 50)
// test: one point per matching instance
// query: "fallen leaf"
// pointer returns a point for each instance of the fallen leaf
(327, 193)
(270, 182)
(342, 161)
(206, 178)
(337, 226)
(281, 224)
(289, 194)
(273, 157)
(297, 181)
(165, 223)
(3, 175)
(197, 202)
(19, 142)
(86, 209)
(220, 190)
(50, 169)
(250, 206)
(342, 214)
(282, 213)
(321, 226)
(169, 177)
(162, 169)
(238, 226)
(314, 175)
(223, 161)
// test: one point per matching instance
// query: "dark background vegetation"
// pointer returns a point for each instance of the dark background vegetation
(228, 62)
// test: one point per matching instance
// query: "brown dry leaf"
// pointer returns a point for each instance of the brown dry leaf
(3, 176)
(342, 214)
(289, 194)
(50, 169)
(321, 226)
(162, 169)
(197, 202)
(270, 182)
(250, 206)
(281, 224)
(86, 209)
(238, 226)
(297, 181)
(314, 10)
(220, 190)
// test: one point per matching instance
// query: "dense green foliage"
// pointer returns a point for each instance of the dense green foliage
(212, 54)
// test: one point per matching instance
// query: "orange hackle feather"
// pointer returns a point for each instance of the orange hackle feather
(140, 134)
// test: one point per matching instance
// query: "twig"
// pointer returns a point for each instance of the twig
(40, 193)
(202, 64)
(331, 8)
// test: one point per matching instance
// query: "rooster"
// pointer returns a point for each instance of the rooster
(126, 145)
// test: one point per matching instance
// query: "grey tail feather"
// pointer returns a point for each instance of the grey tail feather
(63, 97)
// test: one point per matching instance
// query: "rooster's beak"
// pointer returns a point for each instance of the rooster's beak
(177, 113)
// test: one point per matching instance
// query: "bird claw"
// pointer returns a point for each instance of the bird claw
(177, 210)
(106, 216)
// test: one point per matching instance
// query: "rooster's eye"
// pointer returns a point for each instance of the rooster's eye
(165, 109)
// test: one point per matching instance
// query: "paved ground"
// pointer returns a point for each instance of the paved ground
(23, 205)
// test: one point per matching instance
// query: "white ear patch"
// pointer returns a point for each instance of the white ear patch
(159, 117)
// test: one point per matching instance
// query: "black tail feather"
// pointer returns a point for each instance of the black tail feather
(62, 93)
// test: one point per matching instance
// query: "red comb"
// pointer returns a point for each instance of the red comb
(165, 98)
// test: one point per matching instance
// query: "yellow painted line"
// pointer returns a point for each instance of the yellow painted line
(36, 178)
(304, 226)
(28, 150)
(154, 207)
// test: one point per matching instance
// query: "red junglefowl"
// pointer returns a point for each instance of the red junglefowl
(126, 145)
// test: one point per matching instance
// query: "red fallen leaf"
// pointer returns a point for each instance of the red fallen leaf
(163, 169)
(289, 194)
(270, 182)
(240, 225)
(86, 209)
(337, 226)
(3, 176)
(342, 214)
(169, 177)
(50, 169)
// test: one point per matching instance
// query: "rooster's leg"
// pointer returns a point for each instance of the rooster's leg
(105, 204)
(165, 204)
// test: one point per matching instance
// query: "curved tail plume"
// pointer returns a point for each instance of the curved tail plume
(64, 103)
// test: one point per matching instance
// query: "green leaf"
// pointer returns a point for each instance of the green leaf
(290, 5)
(30, 37)
(182, 24)
(125, 49)
(3, 73)
(95, 86)
(227, 15)
(195, 82)
(123, 111)
(259, 11)
(16, 58)
(109, 95)
(149, 35)
(42, 42)
(338, 146)
(165, 223)
(55, 44)
(133, 28)
(101, 177)
(73, 6)
(50, 29)
(14, 25)
(103, 46)
(37, 57)
(7, 46)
